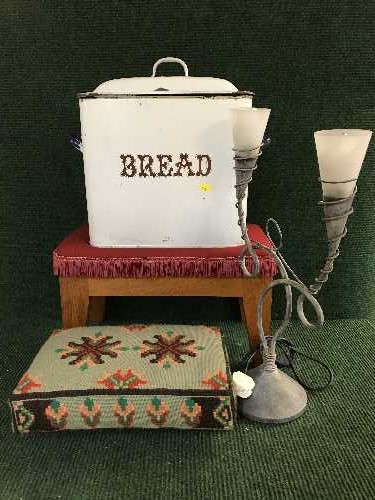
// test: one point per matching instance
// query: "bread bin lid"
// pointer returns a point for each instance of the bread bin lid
(165, 85)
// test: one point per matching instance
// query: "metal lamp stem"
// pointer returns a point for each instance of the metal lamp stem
(336, 213)
(277, 398)
(244, 168)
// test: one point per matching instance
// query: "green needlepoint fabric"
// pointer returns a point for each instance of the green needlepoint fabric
(142, 376)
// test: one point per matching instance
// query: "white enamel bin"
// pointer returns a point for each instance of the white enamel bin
(158, 161)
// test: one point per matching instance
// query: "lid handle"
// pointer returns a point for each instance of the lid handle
(170, 60)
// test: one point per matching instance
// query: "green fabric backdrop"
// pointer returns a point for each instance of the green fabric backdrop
(312, 62)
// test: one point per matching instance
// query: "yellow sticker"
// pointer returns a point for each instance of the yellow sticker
(207, 188)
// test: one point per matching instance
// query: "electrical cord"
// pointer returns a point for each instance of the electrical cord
(289, 351)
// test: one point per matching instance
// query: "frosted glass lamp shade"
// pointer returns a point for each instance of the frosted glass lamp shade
(248, 126)
(340, 156)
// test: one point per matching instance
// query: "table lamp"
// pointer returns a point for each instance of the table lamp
(276, 397)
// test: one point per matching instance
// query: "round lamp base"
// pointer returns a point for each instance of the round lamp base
(276, 398)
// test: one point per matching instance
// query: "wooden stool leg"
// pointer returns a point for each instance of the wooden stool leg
(97, 309)
(74, 301)
(248, 305)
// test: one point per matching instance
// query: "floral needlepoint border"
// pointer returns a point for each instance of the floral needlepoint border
(158, 411)
(191, 412)
(27, 384)
(223, 413)
(197, 412)
(24, 418)
(57, 414)
(122, 380)
(90, 412)
(217, 381)
(124, 410)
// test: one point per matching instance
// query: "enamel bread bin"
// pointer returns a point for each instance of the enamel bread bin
(158, 161)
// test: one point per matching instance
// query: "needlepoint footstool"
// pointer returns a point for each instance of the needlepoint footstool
(88, 275)
(145, 376)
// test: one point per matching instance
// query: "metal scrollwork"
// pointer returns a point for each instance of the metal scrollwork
(336, 214)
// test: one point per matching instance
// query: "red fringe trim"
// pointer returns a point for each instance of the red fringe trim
(157, 267)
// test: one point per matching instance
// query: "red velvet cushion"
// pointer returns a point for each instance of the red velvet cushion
(75, 257)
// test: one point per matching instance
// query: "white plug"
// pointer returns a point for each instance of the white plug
(243, 385)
